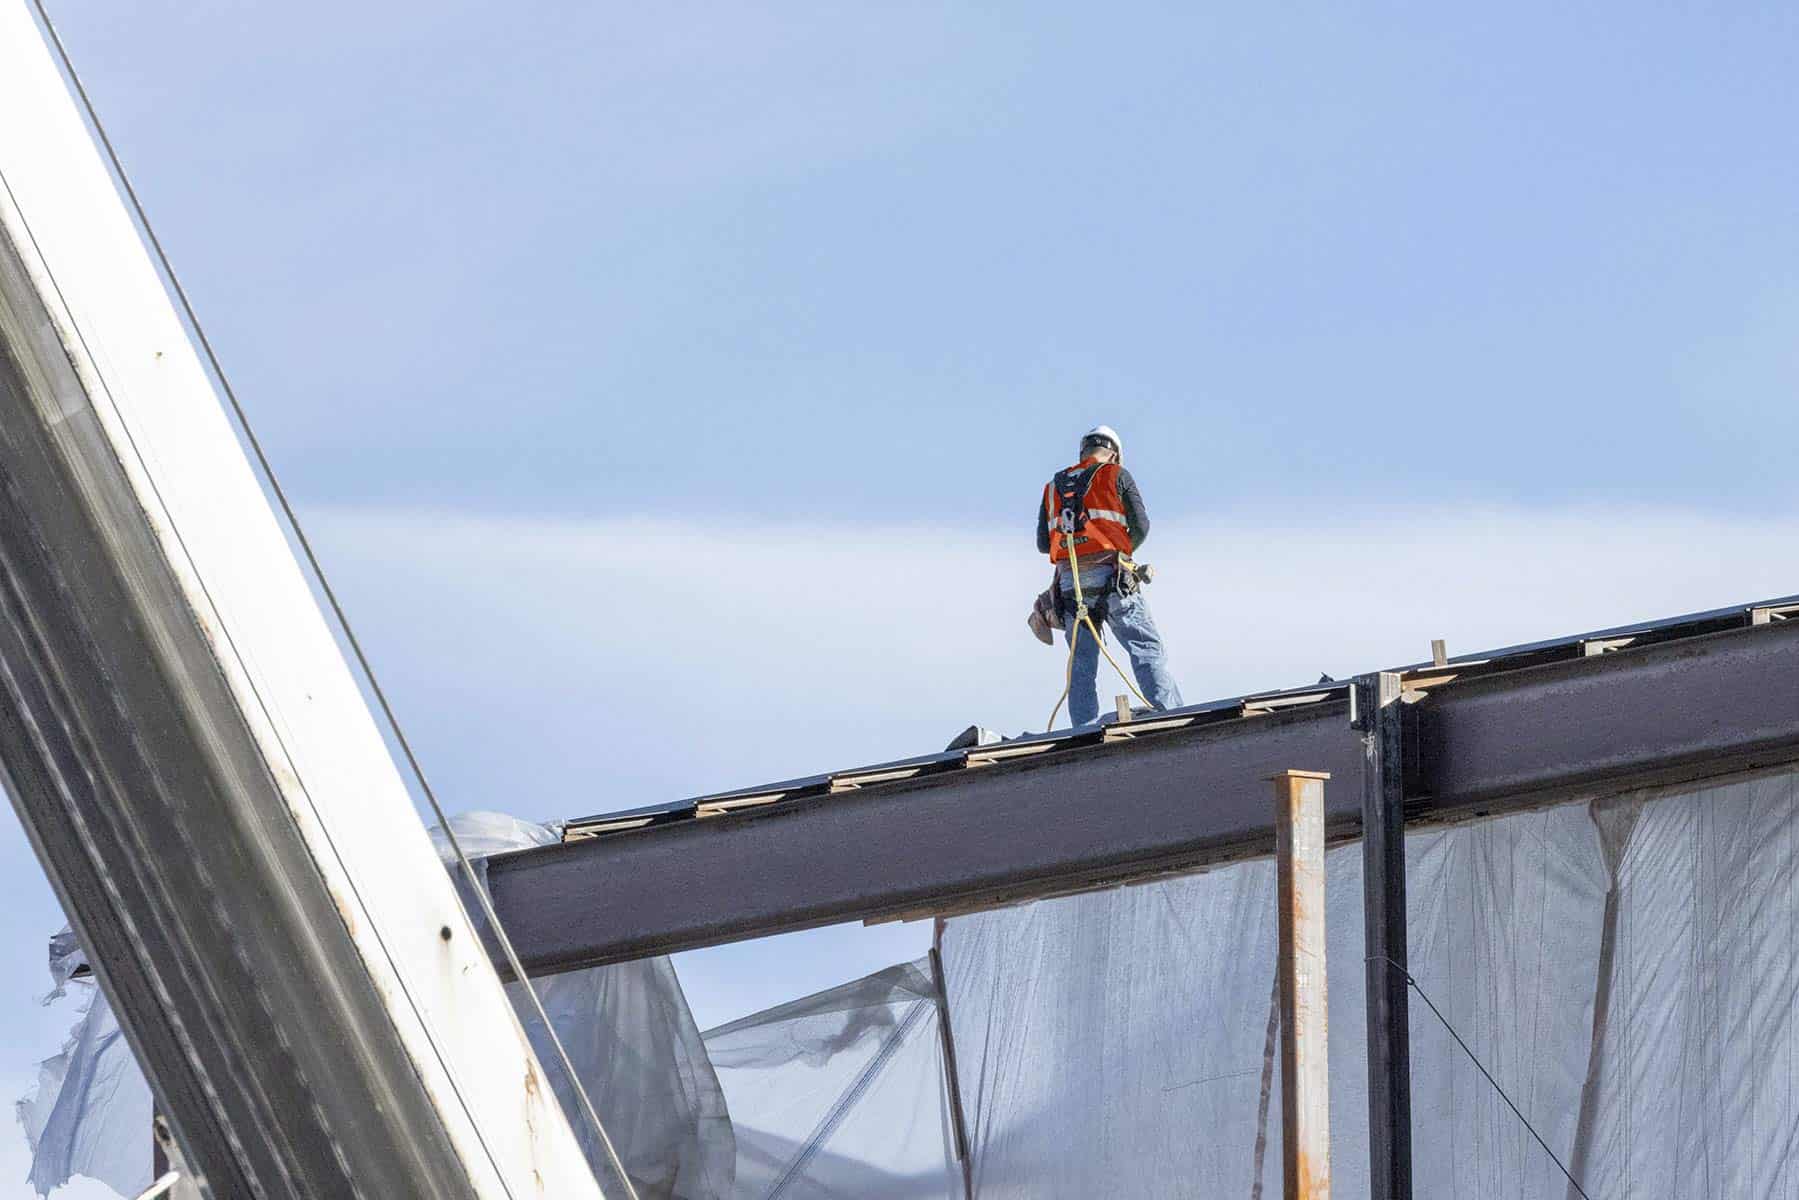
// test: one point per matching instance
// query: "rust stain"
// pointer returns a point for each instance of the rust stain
(1314, 1181)
(533, 1096)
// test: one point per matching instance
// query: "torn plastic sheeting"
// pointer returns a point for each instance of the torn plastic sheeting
(632, 1039)
(841, 1095)
(91, 1110)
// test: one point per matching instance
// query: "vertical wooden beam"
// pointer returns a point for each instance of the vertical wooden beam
(1379, 721)
(1305, 1049)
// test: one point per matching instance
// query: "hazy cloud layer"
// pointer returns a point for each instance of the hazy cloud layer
(560, 668)
(723, 653)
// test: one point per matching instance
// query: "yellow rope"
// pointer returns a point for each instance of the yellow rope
(1082, 618)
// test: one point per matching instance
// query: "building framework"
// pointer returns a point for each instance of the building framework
(1687, 698)
(223, 824)
(1682, 700)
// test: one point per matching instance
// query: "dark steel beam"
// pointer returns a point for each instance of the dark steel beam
(1055, 821)
(1663, 713)
(1380, 721)
(1104, 808)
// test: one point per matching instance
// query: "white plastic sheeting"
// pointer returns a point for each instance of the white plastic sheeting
(1626, 970)
(91, 1111)
(632, 1039)
(627, 1029)
(841, 1095)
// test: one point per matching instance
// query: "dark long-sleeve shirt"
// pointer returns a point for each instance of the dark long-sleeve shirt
(1136, 517)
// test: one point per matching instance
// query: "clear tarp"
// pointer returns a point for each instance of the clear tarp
(841, 1095)
(1628, 970)
(627, 1030)
(635, 1047)
(1625, 969)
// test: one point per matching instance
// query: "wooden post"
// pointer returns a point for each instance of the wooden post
(1379, 720)
(1305, 1050)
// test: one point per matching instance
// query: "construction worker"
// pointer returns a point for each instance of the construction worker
(1096, 505)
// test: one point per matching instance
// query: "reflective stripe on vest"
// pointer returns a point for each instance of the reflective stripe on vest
(1106, 527)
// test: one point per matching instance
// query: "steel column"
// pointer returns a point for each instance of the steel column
(1380, 722)
(952, 1077)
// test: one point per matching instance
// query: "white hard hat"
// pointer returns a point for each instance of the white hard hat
(1104, 433)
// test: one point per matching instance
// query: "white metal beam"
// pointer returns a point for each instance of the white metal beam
(134, 426)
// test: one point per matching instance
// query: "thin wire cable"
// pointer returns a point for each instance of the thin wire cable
(1413, 984)
(337, 609)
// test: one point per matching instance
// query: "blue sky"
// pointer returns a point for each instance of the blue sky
(669, 385)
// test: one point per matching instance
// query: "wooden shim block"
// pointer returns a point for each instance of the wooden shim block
(1439, 653)
(718, 808)
(849, 783)
(1767, 614)
(596, 828)
(1119, 733)
(987, 756)
(1597, 646)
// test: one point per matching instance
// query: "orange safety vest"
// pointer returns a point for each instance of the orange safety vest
(1088, 491)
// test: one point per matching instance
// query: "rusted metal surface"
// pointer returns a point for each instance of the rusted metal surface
(1304, 995)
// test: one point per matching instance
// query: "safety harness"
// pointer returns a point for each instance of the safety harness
(1067, 509)
(1082, 617)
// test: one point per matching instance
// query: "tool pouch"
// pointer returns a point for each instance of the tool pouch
(1044, 616)
(1132, 575)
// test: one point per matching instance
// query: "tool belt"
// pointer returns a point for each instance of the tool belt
(1054, 608)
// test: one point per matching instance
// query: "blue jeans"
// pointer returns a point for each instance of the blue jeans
(1134, 629)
